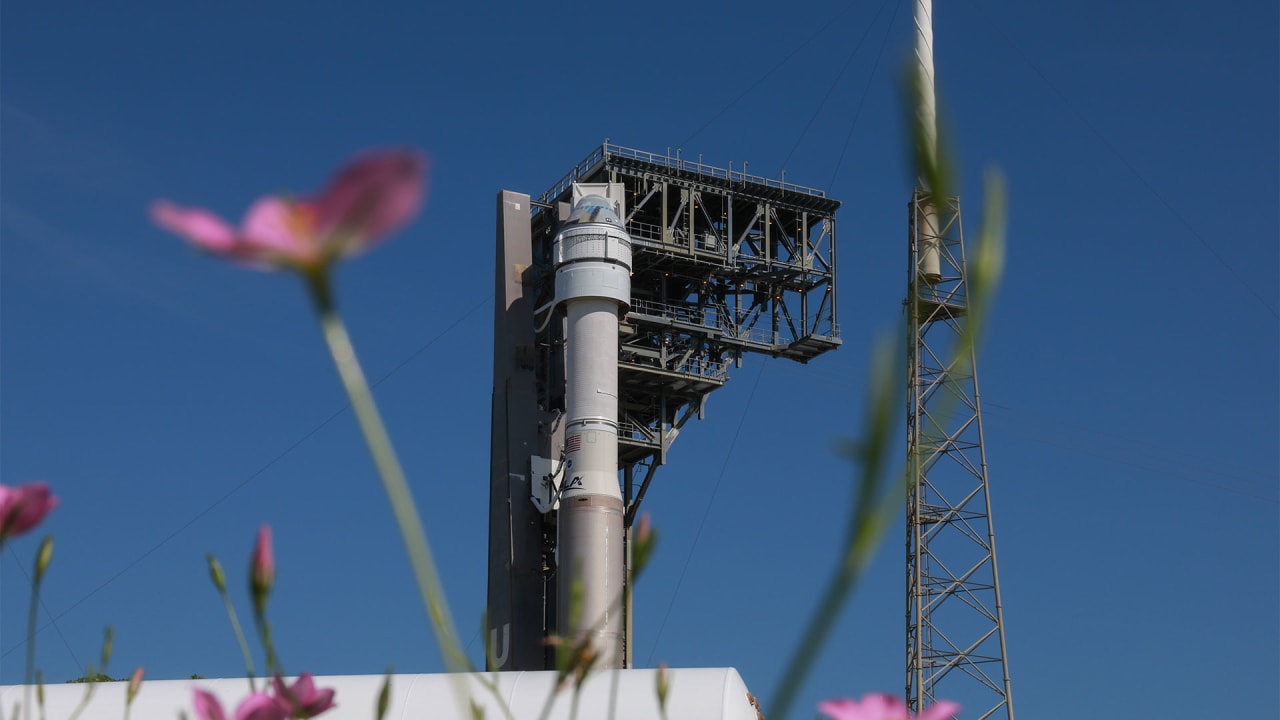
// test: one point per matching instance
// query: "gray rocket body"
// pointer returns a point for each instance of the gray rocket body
(593, 283)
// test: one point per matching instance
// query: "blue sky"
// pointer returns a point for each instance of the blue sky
(1129, 378)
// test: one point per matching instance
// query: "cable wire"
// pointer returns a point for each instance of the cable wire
(1168, 206)
(858, 112)
(44, 606)
(767, 73)
(706, 511)
(843, 69)
(253, 476)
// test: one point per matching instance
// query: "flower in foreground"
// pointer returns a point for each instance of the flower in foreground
(258, 706)
(135, 684)
(875, 706)
(302, 699)
(24, 507)
(372, 196)
(645, 539)
(262, 569)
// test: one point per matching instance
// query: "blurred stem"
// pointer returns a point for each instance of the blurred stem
(268, 645)
(41, 564)
(392, 476)
(871, 517)
(240, 638)
(31, 646)
(867, 524)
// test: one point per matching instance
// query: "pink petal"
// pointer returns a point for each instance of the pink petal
(276, 230)
(873, 706)
(322, 700)
(940, 710)
(260, 706)
(840, 709)
(208, 707)
(304, 688)
(24, 507)
(302, 699)
(264, 560)
(372, 196)
(201, 227)
(879, 705)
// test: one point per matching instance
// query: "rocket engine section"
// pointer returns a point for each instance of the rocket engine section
(592, 258)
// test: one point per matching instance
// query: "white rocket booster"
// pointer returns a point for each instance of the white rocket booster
(592, 255)
(929, 266)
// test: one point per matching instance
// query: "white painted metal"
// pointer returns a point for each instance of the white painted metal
(592, 256)
(696, 694)
(927, 120)
(546, 478)
(927, 107)
(615, 193)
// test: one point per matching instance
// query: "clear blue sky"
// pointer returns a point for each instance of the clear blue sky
(1129, 379)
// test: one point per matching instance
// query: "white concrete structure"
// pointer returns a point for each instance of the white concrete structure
(695, 694)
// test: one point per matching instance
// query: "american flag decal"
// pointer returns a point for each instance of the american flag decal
(573, 443)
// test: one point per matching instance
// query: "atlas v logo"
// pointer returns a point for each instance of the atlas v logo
(575, 482)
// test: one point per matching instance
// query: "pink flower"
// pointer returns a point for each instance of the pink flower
(875, 706)
(374, 195)
(24, 507)
(262, 570)
(207, 706)
(135, 684)
(258, 706)
(302, 699)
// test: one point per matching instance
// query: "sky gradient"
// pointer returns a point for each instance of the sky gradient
(1129, 377)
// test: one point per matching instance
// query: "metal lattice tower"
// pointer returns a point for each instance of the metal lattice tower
(955, 626)
(724, 264)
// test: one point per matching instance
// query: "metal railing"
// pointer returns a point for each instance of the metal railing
(709, 317)
(608, 150)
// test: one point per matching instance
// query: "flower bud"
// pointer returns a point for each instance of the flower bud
(43, 557)
(664, 686)
(108, 641)
(215, 572)
(262, 572)
(135, 682)
(643, 540)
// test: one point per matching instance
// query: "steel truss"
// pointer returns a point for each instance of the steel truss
(955, 625)
(723, 263)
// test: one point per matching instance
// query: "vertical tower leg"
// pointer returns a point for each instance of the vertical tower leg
(955, 623)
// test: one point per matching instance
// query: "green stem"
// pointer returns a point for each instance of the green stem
(240, 638)
(269, 646)
(392, 476)
(88, 695)
(868, 523)
(31, 638)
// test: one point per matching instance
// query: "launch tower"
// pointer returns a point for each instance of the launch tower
(722, 263)
(955, 621)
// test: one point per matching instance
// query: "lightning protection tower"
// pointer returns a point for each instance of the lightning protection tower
(720, 263)
(955, 624)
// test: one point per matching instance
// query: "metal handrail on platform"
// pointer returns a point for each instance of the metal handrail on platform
(608, 150)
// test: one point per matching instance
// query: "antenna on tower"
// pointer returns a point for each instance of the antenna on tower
(955, 622)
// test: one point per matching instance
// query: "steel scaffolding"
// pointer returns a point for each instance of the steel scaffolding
(724, 264)
(955, 625)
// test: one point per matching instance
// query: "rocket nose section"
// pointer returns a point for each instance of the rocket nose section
(593, 209)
